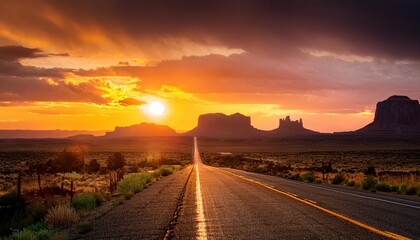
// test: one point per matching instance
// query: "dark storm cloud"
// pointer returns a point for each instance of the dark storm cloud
(34, 89)
(379, 28)
(28, 83)
(15, 53)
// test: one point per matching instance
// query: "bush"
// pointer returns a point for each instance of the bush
(351, 183)
(87, 201)
(296, 177)
(94, 166)
(411, 191)
(10, 198)
(116, 161)
(61, 216)
(369, 182)
(370, 171)
(166, 170)
(28, 234)
(68, 161)
(395, 188)
(338, 179)
(383, 187)
(308, 177)
(133, 183)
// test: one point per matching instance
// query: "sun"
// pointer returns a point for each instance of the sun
(156, 108)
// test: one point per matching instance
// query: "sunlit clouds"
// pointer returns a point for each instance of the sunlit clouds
(83, 65)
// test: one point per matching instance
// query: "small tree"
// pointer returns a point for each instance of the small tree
(94, 166)
(115, 161)
(370, 171)
(68, 161)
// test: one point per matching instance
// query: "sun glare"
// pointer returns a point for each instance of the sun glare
(156, 108)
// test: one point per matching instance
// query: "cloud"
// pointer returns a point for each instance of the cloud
(131, 102)
(34, 89)
(382, 29)
(16, 53)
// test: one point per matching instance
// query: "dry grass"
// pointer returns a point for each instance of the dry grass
(61, 216)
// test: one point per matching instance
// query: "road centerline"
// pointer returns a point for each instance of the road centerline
(200, 218)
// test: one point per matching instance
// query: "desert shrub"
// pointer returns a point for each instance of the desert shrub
(120, 200)
(133, 183)
(259, 169)
(394, 188)
(370, 171)
(383, 187)
(29, 234)
(128, 195)
(338, 179)
(37, 210)
(165, 171)
(351, 183)
(10, 198)
(115, 161)
(369, 182)
(94, 166)
(68, 161)
(84, 227)
(133, 168)
(308, 177)
(87, 201)
(410, 191)
(61, 216)
(296, 177)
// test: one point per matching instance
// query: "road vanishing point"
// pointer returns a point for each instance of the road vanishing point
(204, 202)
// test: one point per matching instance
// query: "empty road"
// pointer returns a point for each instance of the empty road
(232, 204)
(204, 202)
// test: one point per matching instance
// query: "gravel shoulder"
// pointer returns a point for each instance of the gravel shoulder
(145, 216)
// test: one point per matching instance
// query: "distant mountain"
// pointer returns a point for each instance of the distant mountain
(82, 137)
(45, 133)
(396, 115)
(219, 125)
(141, 130)
(288, 127)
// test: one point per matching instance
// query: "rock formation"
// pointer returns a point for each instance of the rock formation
(396, 115)
(287, 127)
(141, 130)
(219, 125)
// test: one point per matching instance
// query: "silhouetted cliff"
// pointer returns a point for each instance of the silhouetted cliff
(287, 127)
(396, 115)
(141, 130)
(219, 125)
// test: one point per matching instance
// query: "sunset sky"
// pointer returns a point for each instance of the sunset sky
(94, 65)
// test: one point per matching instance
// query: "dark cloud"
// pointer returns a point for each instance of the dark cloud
(14, 68)
(34, 89)
(380, 28)
(131, 102)
(15, 53)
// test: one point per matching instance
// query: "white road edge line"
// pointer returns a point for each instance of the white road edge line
(371, 198)
(359, 195)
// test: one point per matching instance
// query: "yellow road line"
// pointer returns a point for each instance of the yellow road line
(355, 222)
(201, 220)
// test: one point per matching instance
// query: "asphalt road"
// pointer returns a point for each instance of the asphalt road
(232, 204)
(203, 202)
(147, 215)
